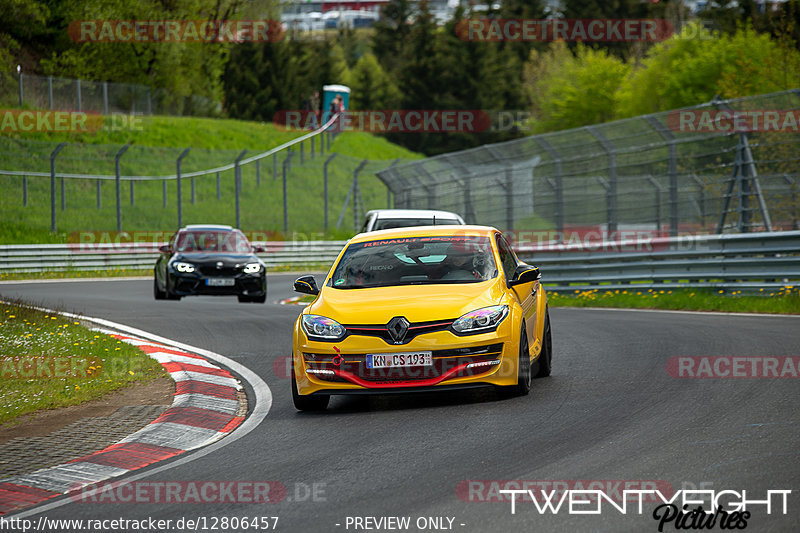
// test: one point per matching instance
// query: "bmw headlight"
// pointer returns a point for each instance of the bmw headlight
(180, 266)
(322, 327)
(481, 320)
(252, 268)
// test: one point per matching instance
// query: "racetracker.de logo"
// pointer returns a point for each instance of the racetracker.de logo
(393, 120)
(544, 30)
(181, 492)
(725, 121)
(28, 121)
(727, 366)
(175, 31)
(491, 490)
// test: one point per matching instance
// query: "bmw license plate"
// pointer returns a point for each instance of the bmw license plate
(399, 360)
(220, 282)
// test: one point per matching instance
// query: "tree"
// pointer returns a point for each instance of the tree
(371, 87)
(569, 90)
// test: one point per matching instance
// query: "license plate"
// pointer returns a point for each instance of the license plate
(220, 282)
(399, 360)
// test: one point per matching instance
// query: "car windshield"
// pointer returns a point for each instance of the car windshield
(389, 223)
(415, 261)
(212, 241)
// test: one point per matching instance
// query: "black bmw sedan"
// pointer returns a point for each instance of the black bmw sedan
(210, 260)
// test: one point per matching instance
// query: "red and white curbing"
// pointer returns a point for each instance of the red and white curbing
(204, 410)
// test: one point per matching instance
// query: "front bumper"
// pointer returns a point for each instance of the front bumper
(195, 283)
(458, 362)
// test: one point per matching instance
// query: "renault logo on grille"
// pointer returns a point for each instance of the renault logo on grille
(398, 326)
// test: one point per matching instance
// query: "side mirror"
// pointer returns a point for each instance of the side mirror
(164, 248)
(306, 285)
(525, 274)
(259, 249)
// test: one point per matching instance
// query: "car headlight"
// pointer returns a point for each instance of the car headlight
(481, 319)
(322, 327)
(252, 268)
(183, 267)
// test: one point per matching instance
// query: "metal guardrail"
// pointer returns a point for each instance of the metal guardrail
(77, 257)
(760, 260)
(749, 260)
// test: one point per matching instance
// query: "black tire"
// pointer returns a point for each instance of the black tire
(158, 293)
(308, 403)
(260, 299)
(170, 294)
(524, 375)
(545, 359)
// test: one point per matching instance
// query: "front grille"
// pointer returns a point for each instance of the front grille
(443, 362)
(224, 271)
(382, 330)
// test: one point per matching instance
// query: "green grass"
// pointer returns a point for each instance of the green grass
(48, 361)
(785, 300)
(174, 132)
(214, 142)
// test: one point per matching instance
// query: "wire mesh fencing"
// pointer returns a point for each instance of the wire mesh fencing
(724, 166)
(299, 187)
(55, 93)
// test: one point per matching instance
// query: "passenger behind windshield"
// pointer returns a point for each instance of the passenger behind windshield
(415, 261)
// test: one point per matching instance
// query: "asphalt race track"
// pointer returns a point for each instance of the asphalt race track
(609, 412)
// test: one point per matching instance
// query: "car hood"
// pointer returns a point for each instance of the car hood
(214, 258)
(418, 303)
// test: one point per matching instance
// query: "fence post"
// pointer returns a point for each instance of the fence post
(258, 173)
(286, 163)
(164, 193)
(357, 195)
(178, 179)
(702, 203)
(53, 185)
(117, 179)
(78, 90)
(657, 206)
(194, 195)
(321, 143)
(219, 195)
(611, 186)
(673, 172)
(559, 184)
(24, 190)
(50, 91)
(19, 84)
(99, 193)
(388, 189)
(325, 186)
(133, 192)
(105, 98)
(237, 177)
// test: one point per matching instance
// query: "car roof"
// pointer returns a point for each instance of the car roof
(410, 213)
(218, 227)
(425, 231)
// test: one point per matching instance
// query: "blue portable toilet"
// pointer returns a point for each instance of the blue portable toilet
(328, 93)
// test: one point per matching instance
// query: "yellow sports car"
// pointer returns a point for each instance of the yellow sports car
(421, 309)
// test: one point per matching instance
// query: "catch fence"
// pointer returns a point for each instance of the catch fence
(670, 173)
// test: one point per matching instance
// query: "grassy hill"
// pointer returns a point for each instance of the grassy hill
(156, 145)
